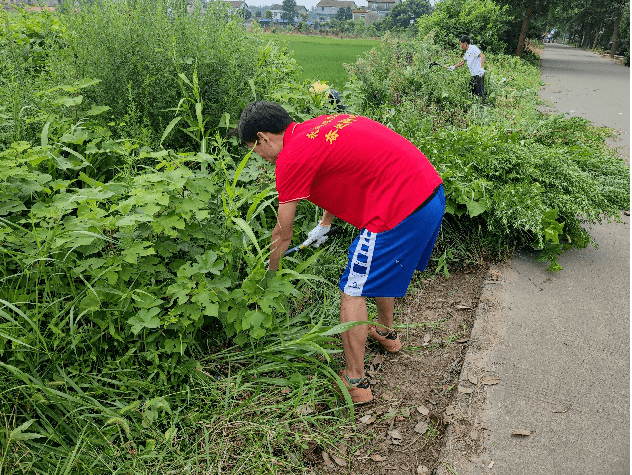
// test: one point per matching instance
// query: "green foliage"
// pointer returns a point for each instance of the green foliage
(128, 270)
(404, 14)
(289, 11)
(399, 74)
(344, 14)
(138, 52)
(484, 21)
(530, 180)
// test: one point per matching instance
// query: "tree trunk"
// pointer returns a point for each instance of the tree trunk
(525, 26)
(615, 33)
(597, 35)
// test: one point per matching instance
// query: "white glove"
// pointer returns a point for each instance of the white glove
(481, 72)
(317, 236)
(452, 68)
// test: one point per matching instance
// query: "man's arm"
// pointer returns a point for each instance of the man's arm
(327, 219)
(482, 59)
(282, 233)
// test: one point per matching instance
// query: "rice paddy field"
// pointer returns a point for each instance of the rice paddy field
(323, 58)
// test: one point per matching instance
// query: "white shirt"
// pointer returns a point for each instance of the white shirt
(473, 59)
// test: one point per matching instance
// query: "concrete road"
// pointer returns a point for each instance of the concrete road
(560, 343)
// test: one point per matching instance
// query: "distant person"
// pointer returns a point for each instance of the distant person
(366, 174)
(475, 60)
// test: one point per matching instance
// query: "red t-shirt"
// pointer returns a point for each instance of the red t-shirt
(357, 169)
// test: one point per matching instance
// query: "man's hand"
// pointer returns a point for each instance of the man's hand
(317, 236)
(481, 72)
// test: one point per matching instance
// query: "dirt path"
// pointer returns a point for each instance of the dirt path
(402, 430)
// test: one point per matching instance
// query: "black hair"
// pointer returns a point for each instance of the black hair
(262, 116)
(465, 39)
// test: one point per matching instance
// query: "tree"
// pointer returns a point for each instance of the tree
(289, 11)
(344, 13)
(245, 13)
(403, 14)
(617, 24)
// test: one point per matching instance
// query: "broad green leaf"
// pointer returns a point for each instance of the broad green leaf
(44, 136)
(69, 101)
(136, 250)
(146, 318)
(96, 110)
(474, 208)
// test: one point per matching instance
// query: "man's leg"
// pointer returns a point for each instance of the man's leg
(386, 337)
(385, 310)
(353, 309)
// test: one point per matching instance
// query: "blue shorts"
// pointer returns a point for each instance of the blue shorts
(382, 264)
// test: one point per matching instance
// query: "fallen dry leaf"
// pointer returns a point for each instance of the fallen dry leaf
(365, 419)
(465, 390)
(423, 409)
(472, 378)
(520, 432)
(326, 459)
(286, 391)
(377, 458)
(462, 340)
(400, 418)
(377, 359)
(463, 307)
(339, 461)
(343, 448)
(305, 409)
(489, 380)
(422, 470)
(421, 427)
(395, 434)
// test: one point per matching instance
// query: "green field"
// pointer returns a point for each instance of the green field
(322, 58)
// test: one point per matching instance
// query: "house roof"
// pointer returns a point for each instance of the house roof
(236, 4)
(336, 3)
(381, 1)
(276, 6)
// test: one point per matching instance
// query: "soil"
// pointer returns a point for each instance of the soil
(403, 430)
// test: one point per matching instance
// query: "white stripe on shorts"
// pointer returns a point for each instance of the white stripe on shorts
(360, 264)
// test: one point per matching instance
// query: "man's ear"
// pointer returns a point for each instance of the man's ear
(261, 137)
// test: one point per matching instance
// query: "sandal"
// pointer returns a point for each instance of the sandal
(360, 391)
(389, 342)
